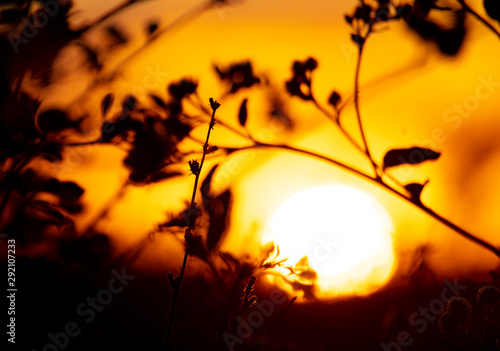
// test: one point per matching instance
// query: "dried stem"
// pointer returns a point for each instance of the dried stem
(479, 17)
(356, 105)
(177, 288)
(386, 187)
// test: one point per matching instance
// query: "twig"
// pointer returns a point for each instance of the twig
(356, 105)
(336, 120)
(479, 17)
(386, 187)
(177, 288)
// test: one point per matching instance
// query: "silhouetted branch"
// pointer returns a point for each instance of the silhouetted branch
(386, 187)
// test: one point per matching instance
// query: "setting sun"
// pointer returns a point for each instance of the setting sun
(243, 175)
(341, 233)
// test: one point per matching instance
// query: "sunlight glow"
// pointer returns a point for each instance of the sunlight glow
(339, 233)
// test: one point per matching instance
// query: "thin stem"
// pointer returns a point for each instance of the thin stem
(336, 120)
(198, 104)
(356, 105)
(114, 11)
(191, 224)
(205, 149)
(176, 295)
(479, 17)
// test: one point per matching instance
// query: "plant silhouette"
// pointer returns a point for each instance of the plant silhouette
(196, 310)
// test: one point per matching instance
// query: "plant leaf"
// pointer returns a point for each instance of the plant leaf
(414, 155)
(243, 114)
(492, 8)
(152, 27)
(158, 101)
(358, 39)
(334, 99)
(415, 190)
(106, 104)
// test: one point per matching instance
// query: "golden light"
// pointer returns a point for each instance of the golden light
(336, 239)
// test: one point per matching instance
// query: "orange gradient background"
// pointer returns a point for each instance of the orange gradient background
(407, 87)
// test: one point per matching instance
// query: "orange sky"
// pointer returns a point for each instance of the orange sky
(403, 110)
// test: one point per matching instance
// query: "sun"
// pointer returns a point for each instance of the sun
(336, 240)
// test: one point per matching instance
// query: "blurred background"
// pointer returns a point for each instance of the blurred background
(410, 94)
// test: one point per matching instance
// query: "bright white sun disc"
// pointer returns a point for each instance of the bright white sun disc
(344, 233)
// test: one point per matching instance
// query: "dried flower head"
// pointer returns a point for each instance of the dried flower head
(194, 166)
(488, 295)
(238, 76)
(459, 308)
(182, 89)
(302, 75)
(214, 104)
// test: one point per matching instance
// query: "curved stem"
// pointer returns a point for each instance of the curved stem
(479, 17)
(205, 149)
(358, 113)
(336, 120)
(119, 8)
(191, 226)
(386, 187)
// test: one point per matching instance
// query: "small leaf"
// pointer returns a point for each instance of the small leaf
(92, 56)
(116, 35)
(212, 149)
(106, 104)
(152, 27)
(129, 103)
(492, 8)
(243, 114)
(334, 99)
(158, 101)
(194, 166)
(358, 39)
(414, 155)
(415, 190)
(348, 19)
